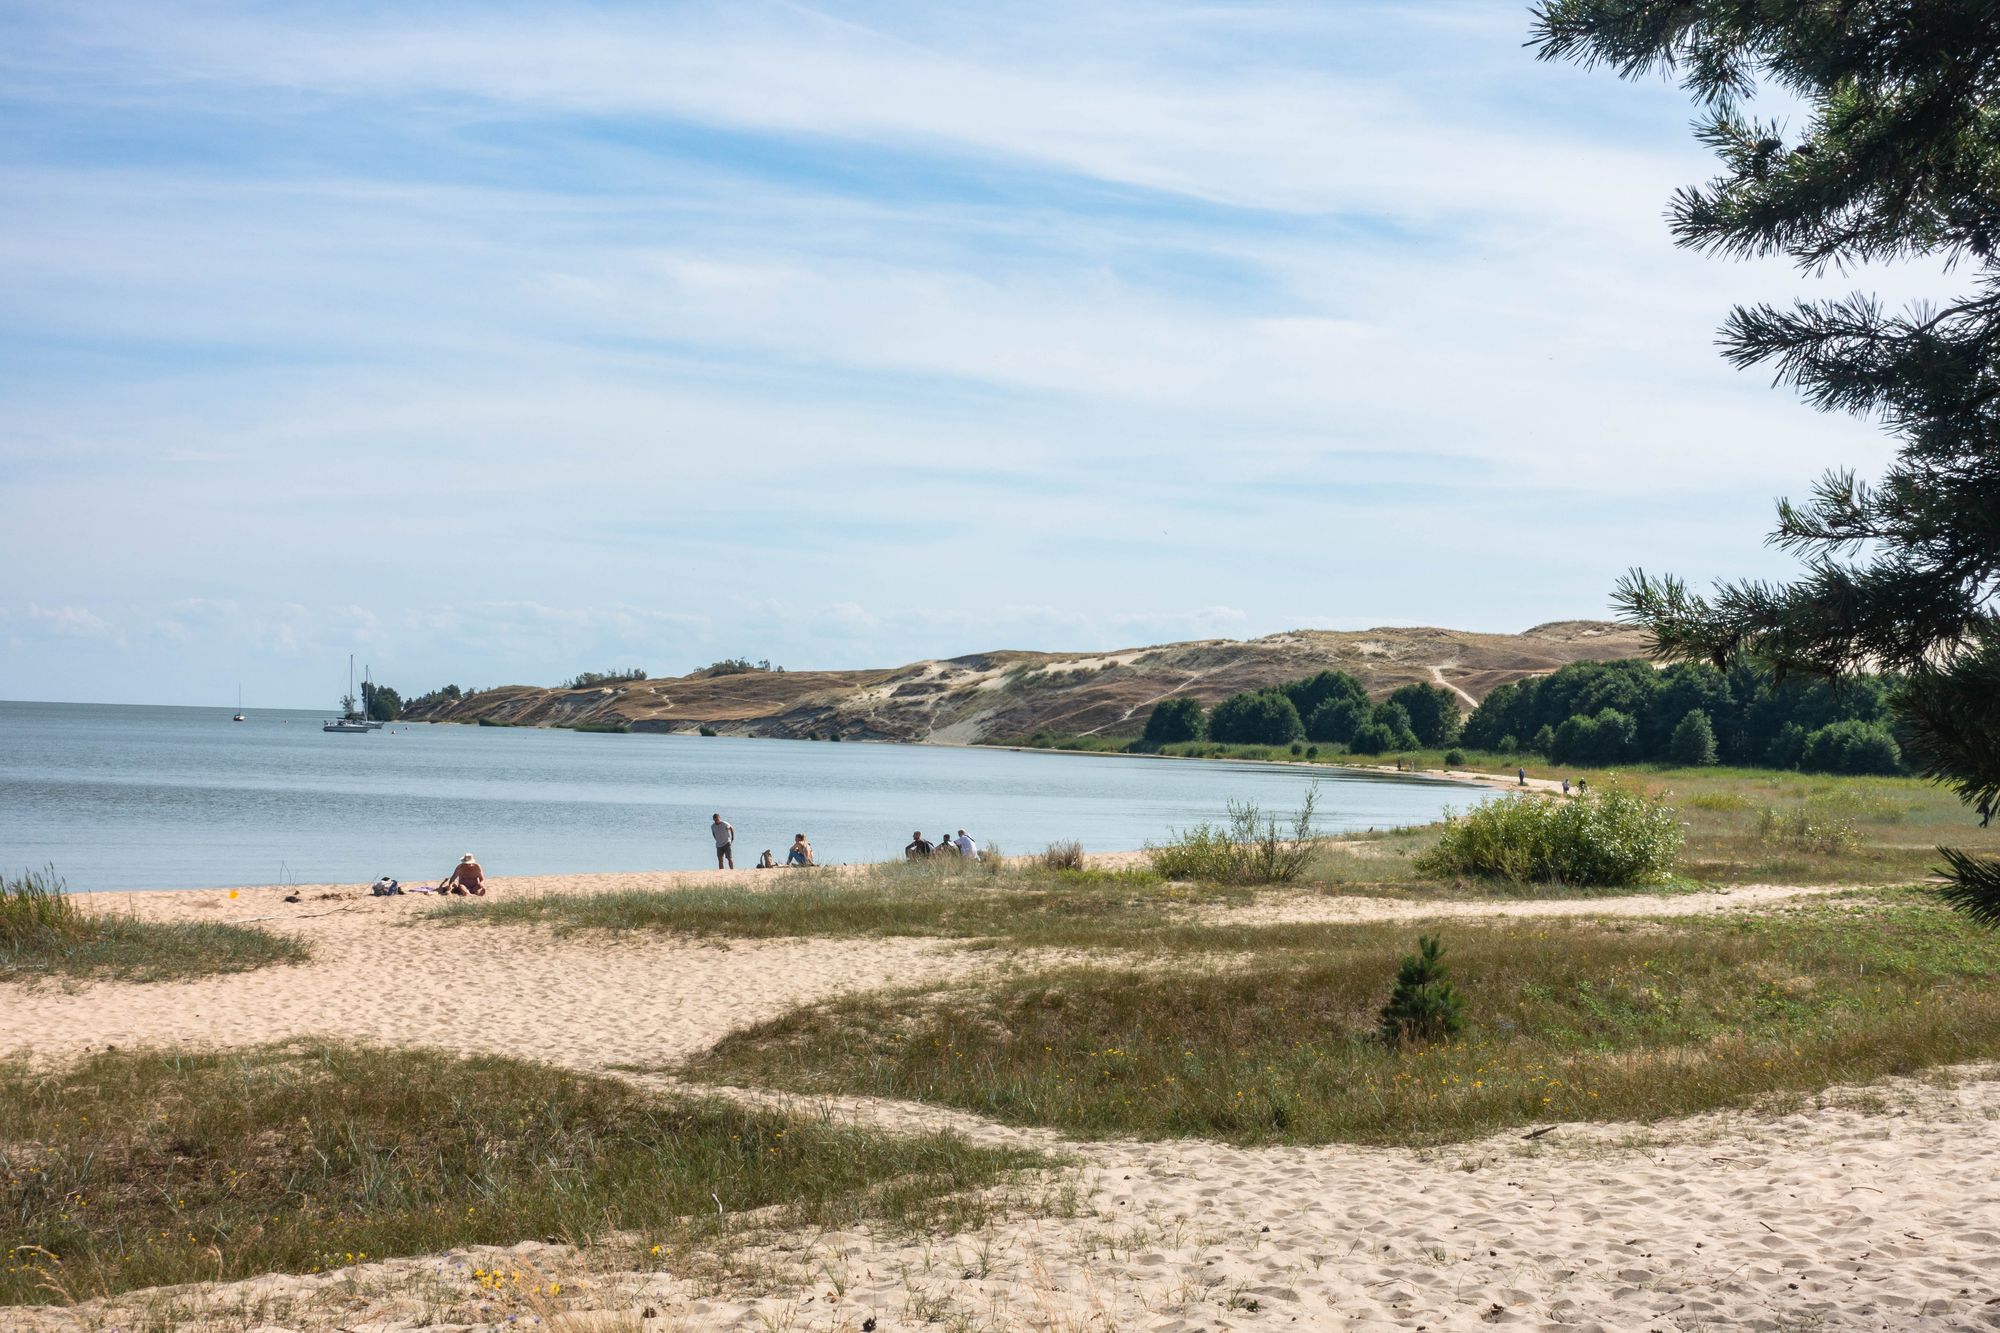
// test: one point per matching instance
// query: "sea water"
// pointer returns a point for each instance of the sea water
(130, 797)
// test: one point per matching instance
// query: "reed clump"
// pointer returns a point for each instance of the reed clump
(45, 935)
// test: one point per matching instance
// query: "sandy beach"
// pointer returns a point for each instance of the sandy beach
(1875, 1210)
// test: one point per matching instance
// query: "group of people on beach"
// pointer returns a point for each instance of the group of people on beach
(921, 848)
(800, 853)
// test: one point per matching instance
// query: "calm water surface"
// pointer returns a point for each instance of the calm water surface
(121, 797)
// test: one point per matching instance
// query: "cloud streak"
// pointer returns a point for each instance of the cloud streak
(508, 341)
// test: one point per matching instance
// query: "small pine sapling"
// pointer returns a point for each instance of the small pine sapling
(1423, 1007)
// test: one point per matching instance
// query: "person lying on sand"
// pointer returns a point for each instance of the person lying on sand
(800, 853)
(466, 878)
(918, 850)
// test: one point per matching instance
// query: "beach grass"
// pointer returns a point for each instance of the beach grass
(45, 935)
(136, 1169)
(1023, 904)
(1270, 1035)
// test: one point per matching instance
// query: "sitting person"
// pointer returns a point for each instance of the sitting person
(800, 853)
(767, 861)
(918, 850)
(945, 846)
(468, 877)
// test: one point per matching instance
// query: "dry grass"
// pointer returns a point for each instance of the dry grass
(147, 1168)
(1570, 1020)
(44, 935)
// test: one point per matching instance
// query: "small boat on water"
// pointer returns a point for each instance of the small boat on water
(350, 720)
(239, 706)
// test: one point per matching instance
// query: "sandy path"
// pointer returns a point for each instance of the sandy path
(586, 1001)
(1301, 909)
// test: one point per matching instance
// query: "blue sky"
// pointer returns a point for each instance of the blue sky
(493, 342)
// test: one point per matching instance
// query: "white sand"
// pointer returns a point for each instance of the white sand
(1877, 1214)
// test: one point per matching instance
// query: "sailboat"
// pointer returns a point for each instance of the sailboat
(349, 720)
(239, 706)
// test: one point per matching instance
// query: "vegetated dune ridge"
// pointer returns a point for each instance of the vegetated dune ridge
(1009, 694)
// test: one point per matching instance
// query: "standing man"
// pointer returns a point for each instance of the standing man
(967, 848)
(725, 842)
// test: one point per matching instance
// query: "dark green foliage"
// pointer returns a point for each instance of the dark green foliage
(1422, 1007)
(1788, 747)
(1371, 738)
(1693, 742)
(1852, 747)
(1264, 718)
(1312, 693)
(380, 702)
(585, 680)
(1973, 887)
(1175, 720)
(1608, 737)
(1433, 713)
(1895, 156)
(450, 694)
(1454, 759)
(1336, 720)
(1747, 711)
(734, 666)
(706, 730)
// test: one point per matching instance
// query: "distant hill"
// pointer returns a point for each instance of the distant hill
(1008, 694)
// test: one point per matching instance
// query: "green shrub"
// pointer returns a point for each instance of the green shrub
(1604, 737)
(1852, 747)
(1336, 720)
(1251, 849)
(1693, 741)
(1788, 747)
(1371, 738)
(1544, 741)
(1423, 1007)
(1264, 718)
(1432, 711)
(1454, 759)
(1608, 838)
(707, 730)
(1312, 752)
(1175, 720)
(1297, 749)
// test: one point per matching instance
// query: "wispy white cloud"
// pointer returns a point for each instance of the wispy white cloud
(502, 342)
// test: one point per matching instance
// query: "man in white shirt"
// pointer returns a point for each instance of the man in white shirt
(967, 849)
(725, 842)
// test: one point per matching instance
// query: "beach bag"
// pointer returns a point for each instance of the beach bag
(386, 888)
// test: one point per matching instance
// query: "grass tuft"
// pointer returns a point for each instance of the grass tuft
(45, 935)
(148, 1168)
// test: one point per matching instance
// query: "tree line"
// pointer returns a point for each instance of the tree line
(1585, 713)
(1330, 708)
(1692, 714)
